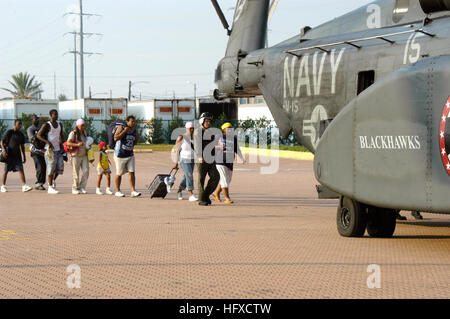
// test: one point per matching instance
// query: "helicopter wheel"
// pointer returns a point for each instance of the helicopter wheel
(381, 222)
(351, 218)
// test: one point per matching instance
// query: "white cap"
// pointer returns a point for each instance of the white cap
(190, 125)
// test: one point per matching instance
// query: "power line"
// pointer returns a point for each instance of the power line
(80, 52)
(128, 76)
(36, 31)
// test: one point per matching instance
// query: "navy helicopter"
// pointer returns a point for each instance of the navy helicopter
(367, 93)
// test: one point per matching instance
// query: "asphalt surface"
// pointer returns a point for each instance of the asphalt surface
(277, 241)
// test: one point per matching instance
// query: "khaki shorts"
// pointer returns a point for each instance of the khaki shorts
(226, 175)
(124, 165)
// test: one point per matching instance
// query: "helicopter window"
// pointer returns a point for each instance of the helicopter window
(365, 79)
(400, 10)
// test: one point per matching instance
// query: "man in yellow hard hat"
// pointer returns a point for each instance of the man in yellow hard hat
(225, 155)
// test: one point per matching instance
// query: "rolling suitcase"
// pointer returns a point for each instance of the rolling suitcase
(158, 188)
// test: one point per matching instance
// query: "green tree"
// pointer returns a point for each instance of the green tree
(91, 130)
(3, 128)
(220, 120)
(68, 126)
(24, 86)
(26, 123)
(62, 97)
(174, 124)
(157, 133)
(141, 126)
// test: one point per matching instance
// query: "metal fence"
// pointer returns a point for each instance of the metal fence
(155, 131)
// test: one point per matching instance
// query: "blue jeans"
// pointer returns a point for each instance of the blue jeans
(188, 169)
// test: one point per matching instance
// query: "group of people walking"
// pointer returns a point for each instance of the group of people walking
(49, 150)
(214, 158)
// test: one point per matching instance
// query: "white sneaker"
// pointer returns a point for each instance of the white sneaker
(52, 190)
(193, 199)
(83, 191)
(135, 194)
(99, 191)
(3, 189)
(75, 192)
(109, 191)
(180, 196)
(120, 194)
(26, 188)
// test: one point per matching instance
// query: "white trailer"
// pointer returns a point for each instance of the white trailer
(97, 109)
(13, 109)
(254, 109)
(167, 110)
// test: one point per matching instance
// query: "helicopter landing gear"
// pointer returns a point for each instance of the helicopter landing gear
(381, 222)
(351, 218)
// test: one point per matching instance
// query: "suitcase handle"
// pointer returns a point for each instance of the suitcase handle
(174, 169)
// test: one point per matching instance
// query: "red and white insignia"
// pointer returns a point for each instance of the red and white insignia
(442, 147)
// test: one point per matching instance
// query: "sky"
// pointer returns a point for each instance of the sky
(163, 47)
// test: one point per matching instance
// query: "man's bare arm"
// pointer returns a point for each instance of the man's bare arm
(62, 132)
(120, 133)
(44, 129)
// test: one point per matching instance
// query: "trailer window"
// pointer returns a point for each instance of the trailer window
(93, 111)
(116, 111)
(184, 109)
(165, 110)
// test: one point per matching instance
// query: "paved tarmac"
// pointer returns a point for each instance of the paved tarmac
(277, 241)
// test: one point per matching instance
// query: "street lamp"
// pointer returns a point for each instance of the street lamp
(130, 84)
(195, 98)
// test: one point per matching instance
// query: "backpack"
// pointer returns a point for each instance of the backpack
(37, 143)
(71, 150)
(112, 127)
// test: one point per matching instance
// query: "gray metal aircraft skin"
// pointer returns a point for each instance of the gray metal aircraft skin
(387, 147)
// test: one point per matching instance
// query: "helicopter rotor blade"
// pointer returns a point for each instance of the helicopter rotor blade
(221, 16)
(272, 9)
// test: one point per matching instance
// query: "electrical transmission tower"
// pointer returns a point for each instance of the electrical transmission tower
(80, 53)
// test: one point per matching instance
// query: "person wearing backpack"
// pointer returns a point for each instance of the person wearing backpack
(185, 156)
(125, 138)
(77, 147)
(13, 146)
(37, 150)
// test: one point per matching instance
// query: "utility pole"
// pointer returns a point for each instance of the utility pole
(54, 85)
(129, 91)
(81, 34)
(80, 52)
(195, 100)
(75, 65)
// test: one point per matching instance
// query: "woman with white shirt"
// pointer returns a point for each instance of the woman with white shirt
(185, 157)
